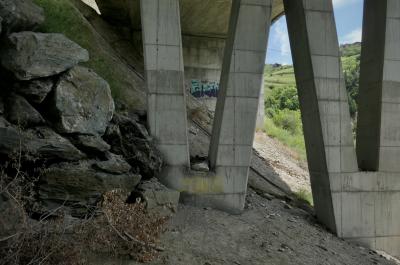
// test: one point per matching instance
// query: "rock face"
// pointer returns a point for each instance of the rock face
(21, 113)
(79, 185)
(90, 144)
(40, 142)
(82, 102)
(130, 139)
(30, 55)
(158, 198)
(12, 214)
(35, 90)
(20, 15)
(43, 142)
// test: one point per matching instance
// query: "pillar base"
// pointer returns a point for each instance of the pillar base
(206, 189)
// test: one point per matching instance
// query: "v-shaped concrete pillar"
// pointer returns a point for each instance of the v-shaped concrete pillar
(224, 186)
(359, 206)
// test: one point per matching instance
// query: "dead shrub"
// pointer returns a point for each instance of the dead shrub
(124, 230)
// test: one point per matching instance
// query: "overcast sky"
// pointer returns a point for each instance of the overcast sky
(348, 16)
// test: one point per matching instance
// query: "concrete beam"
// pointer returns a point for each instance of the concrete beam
(378, 137)
(323, 100)
(238, 98)
(164, 70)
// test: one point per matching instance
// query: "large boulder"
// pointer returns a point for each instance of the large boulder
(21, 113)
(20, 15)
(90, 144)
(30, 55)
(82, 103)
(36, 90)
(12, 216)
(37, 143)
(80, 185)
(131, 140)
(158, 198)
(43, 142)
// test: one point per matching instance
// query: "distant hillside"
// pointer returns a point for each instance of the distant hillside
(281, 101)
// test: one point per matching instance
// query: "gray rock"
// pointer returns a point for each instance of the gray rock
(44, 143)
(200, 166)
(12, 216)
(37, 143)
(90, 144)
(1, 105)
(82, 103)
(30, 55)
(79, 185)
(35, 91)
(114, 165)
(158, 198)
(130, 139)
(1, 25)
(20, 15)
(21, 113)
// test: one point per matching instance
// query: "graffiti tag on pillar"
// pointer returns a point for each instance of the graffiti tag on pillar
(201, 89)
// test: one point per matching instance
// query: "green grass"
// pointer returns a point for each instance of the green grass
(306, 196)
(279, 80)
(63, 17)
(293, 141)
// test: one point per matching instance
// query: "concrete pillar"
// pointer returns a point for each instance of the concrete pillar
(378, 134)
(237, 104)
(323, 100)
(162, 45)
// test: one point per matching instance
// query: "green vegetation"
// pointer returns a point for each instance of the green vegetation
(63, 17)
(282, 108)
(306, 196)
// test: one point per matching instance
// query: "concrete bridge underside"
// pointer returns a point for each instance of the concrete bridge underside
(356, 194)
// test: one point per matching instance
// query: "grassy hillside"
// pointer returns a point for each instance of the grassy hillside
(283, 119)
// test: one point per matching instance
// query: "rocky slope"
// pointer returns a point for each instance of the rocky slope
(58, 123)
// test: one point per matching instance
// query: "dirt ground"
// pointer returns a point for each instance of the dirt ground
(268, 232)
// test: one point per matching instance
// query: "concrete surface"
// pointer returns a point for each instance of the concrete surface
(166, 103)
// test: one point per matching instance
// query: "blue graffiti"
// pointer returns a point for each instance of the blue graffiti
(201, 89)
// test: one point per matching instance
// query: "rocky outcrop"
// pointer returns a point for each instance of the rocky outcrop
(80, 185)
(131, 140)
(82, 103)
(40, 143)
(35, 90)
(21, 113)
(20, 15)
(55, 117)
(30, 55)
(158, 198)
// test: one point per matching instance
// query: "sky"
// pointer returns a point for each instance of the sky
(348, 16)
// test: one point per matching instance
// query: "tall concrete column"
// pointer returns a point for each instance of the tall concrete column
(378, 134)
(237, 104)
(162, 45)
(323, 100)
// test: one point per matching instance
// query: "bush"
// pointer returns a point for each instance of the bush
(288, 120)
(294, 141)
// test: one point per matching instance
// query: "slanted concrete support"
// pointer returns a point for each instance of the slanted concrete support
(323, 99)
(162, 45)
(378, 135)
(358, 206)
(238, 98)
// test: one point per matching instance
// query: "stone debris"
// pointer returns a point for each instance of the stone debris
(82, 103)
(30, 55)
(159, 198)
(35, 90)
(19, 15)
(53, 117)
(21, 113)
